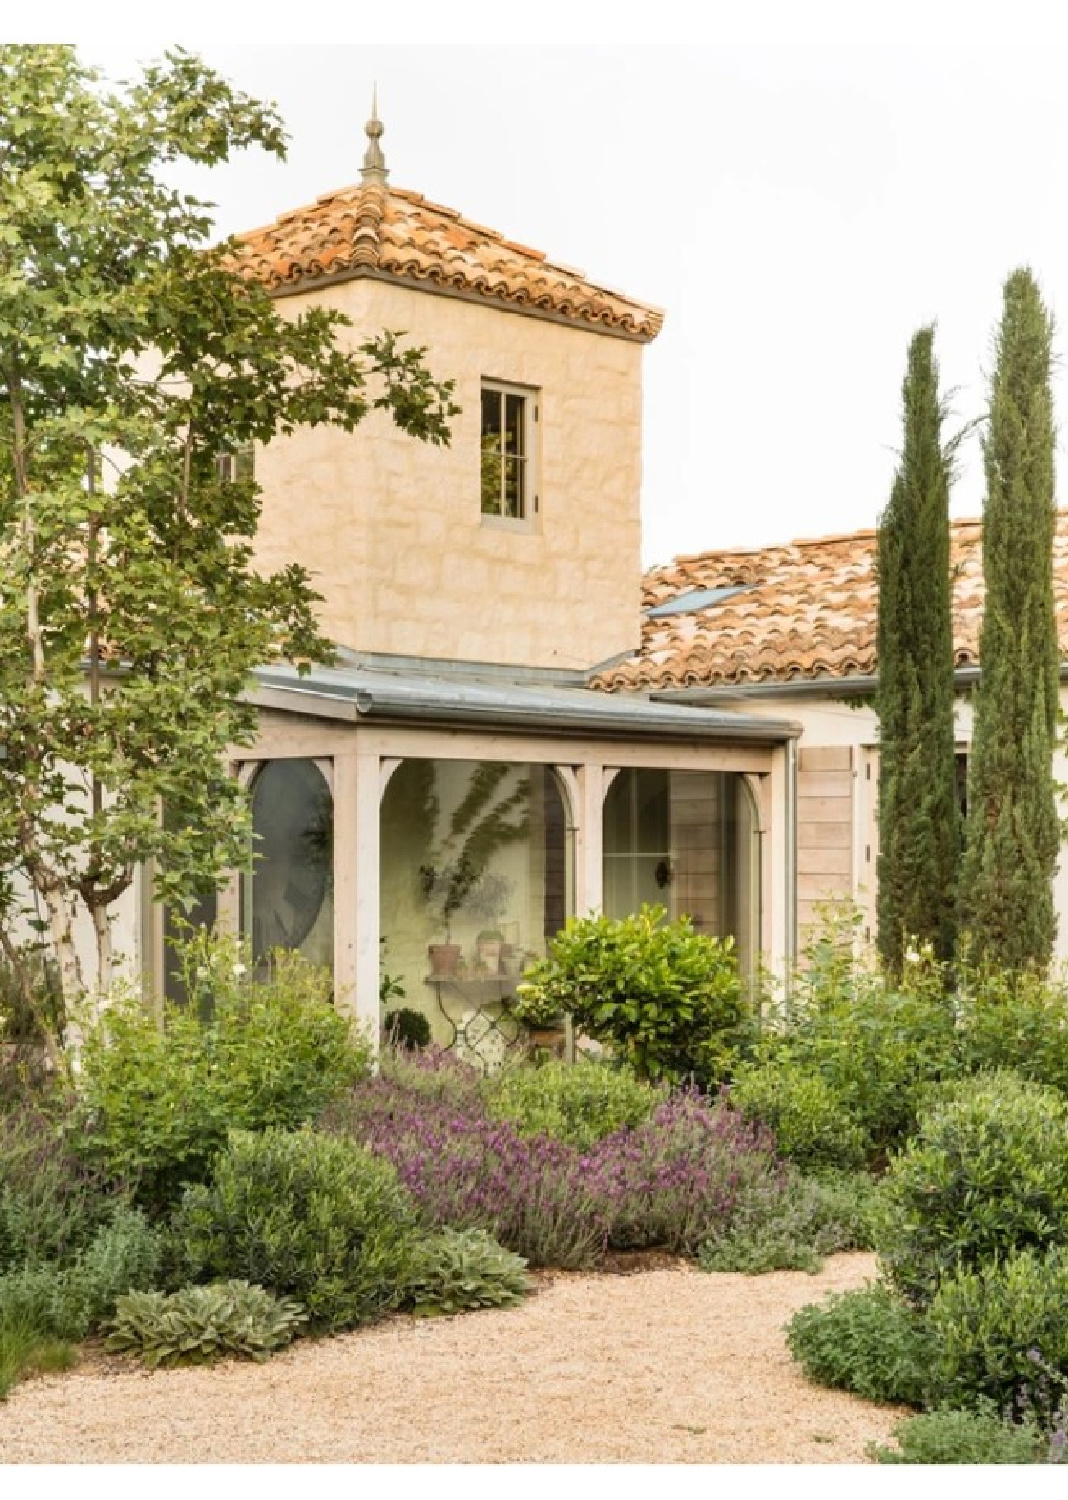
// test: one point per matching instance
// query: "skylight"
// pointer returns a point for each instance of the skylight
(695, 599)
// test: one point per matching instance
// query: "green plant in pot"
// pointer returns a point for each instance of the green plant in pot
(487, 818)
(489, 896)
(445, 887)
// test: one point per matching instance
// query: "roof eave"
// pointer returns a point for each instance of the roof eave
(439, 289)
(588, 715)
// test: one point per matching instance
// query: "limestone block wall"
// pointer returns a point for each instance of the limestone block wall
(392, 531)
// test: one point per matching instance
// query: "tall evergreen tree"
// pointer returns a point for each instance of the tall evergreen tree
(1012, 833)
(919, 835)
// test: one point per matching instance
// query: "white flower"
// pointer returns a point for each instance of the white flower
(911, 956)
(238, 970)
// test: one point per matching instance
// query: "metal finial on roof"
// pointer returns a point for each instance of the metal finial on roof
(374, 163)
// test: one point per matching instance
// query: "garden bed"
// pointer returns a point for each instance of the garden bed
(664, 1365)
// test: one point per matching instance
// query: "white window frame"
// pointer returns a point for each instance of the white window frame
(531, 398)
(235, 464)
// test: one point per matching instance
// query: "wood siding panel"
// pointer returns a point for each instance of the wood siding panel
(824, 758)
(825, 790)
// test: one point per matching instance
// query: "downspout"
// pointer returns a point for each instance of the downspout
(791, 866)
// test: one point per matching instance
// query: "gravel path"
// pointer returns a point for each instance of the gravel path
(662, 1366)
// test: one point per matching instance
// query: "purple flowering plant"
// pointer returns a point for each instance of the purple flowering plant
(669, 1182)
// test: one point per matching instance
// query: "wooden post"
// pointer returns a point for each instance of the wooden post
(589, 842)
(366, 966)
(345, 872)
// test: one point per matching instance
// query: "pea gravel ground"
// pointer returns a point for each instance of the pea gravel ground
(664, 1365)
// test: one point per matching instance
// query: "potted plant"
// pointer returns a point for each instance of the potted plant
(488, 946)
(487, 899)
(445, 887)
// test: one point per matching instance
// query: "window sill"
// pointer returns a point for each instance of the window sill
(509, 523)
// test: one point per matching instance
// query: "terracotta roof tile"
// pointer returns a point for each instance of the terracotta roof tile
(399, 233)
(808, 611)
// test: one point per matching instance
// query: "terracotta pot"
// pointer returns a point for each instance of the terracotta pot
(550, 1039)
(489, 953)
(444, 959)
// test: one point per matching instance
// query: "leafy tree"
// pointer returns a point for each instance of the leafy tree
(1012, 832)
(919, 836)
(131, 356)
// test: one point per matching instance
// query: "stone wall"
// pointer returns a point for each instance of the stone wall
(392, 531)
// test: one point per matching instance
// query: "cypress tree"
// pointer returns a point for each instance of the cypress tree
(919, 833)
(1012, 832)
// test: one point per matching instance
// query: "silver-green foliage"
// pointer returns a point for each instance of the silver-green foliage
(199, 1324)
(810, 1218)
(578, 1104)
(310, 1216)
(461, 1269)
(985, 1176)
(71, 1301)
(963, 1437)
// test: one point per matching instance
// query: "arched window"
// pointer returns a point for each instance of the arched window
(476, 876)
(288, 901)
(687, 841)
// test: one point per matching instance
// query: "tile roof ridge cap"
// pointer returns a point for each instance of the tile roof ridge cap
(868, 533)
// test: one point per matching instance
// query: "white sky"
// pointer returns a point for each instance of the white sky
(798, 187)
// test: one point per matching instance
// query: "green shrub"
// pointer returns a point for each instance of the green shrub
(962, 1437)
(809, 1219)
(987, 1175)
(309, 1216)
(875, 1050)
(850, 1202)
(124, 1256)
(577, 1103)
(25, 1350)
(866, 1341)
(406, 1028)
(51, 1202)
(809, 1120)
(1002, 1333)
(69, 1302)
(1015, 1021)
(668, 999)
(458, 1269)
(158, 1104)
(199, 1324)
(31, 1001)
(432, 1074)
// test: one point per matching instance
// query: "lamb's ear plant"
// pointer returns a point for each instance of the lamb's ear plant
(460, 1270)
(199, 1324)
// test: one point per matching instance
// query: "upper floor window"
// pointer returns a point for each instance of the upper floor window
(508, 480)
(236, 464)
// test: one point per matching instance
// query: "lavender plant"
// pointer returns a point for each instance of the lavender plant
(467, 1171)
(673, 1181)
(683, 1174)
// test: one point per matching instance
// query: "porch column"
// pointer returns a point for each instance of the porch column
(356, 924)
(345, 882)
(589, 842)
(364, 897)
